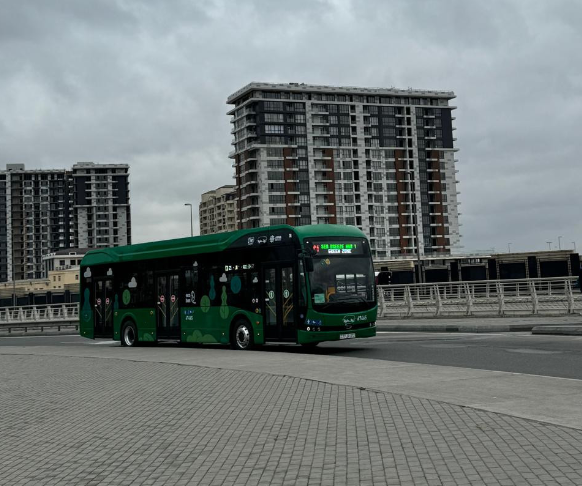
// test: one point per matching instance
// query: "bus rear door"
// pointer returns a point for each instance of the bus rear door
(103, 308)
(168, 306)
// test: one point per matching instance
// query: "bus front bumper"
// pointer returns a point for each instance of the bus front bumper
(306, 337)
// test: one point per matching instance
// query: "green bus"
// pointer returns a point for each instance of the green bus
(303, 285)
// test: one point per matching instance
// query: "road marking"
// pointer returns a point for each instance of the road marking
(532, 351)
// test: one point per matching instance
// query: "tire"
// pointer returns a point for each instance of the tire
(129, 335)
(242, 336)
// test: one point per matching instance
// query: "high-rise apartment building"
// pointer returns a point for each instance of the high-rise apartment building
(43, 211)
(101, 204)
(35, 218)
(380, 159)
(217, 212)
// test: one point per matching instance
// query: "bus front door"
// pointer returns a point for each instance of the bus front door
(168, 307)
(279, 298)
(103, 308)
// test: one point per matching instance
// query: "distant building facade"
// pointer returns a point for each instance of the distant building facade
(379, 159)
(101, 205)
(217, 212)
(44, 211)
(66, 259)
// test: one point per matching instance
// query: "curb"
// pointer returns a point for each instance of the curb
(38, 334)
(481, 328)
(574, 330)
(453, 328)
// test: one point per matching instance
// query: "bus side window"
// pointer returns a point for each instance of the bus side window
(148, 290)
(191, 286)
(254, 287)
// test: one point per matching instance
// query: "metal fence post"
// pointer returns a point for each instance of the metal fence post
(570, 297)
(381, 302)
(439, 302)
(500, 298)
(469, 299)
(534, 297)
(408, 300)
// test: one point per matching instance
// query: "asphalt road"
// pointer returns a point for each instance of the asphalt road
(557, 356)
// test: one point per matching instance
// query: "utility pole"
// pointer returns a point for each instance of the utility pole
(508, 247)
(549, 245)
(559, 242)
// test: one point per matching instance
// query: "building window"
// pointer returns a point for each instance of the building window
(274, 129)
(274, 117)
(274, 105)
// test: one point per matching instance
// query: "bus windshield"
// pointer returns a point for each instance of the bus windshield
(342, 279)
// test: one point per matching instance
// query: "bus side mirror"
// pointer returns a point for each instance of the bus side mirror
(308, 261)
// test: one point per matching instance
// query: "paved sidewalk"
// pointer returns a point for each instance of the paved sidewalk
(101, 420)
(552, 324)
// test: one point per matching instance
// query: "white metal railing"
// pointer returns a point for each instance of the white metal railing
(535, 296)
(50, 315)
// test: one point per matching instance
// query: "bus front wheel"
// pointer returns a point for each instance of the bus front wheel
(242, 336)
(129, 335)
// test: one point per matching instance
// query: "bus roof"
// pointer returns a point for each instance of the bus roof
(207, 243)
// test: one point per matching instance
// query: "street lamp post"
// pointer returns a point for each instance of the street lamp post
(574, 244)
(549, 245)
(508, 247)
(191, 220)
(559, 242)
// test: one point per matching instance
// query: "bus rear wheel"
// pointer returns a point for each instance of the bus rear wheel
(242, 336)
(129, 335)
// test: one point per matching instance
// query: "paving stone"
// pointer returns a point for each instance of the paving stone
(70, 421)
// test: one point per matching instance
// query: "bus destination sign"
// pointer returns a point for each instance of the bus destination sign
(335, 248)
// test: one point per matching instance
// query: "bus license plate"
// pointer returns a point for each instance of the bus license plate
(351, 335)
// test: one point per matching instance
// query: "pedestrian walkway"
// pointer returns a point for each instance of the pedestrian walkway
(108, 415)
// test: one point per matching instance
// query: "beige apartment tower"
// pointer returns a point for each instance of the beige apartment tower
(218, 211)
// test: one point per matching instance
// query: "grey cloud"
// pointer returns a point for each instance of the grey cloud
(146, 83)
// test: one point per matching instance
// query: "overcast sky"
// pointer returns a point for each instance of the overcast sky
(146, 82)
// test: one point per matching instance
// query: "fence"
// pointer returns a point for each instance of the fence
(538, 296)
(39, 317)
